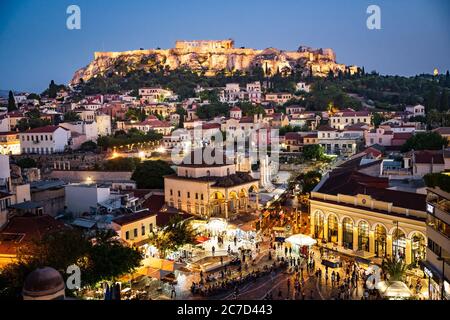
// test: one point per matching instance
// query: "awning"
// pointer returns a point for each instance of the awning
(301, 240)
(394, 289)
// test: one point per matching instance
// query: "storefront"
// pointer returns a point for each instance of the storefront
(333, 229)
(363, 236)
(399, 244)
(347, 233)
(435, 285)
(380, 241)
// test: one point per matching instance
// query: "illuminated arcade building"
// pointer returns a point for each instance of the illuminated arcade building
(211, 189)
(355, 212)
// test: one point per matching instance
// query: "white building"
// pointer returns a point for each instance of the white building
(302, 86)
(417, 110)
(341, 119)
(44, 140)
(89, 129)
(152, 95)
(82, 198)
(338, 142)
(103, 124)
(5, 125)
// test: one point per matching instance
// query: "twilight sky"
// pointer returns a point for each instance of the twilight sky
(36, 46)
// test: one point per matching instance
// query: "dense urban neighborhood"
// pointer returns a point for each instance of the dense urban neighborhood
(339, 190)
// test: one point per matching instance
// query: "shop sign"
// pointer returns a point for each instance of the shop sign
(430, 208)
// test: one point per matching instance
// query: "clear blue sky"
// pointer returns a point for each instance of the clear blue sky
(36, 46)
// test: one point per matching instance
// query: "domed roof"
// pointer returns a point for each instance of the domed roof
(43, 282)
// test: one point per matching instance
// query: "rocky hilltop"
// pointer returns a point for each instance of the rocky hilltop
(211, 57)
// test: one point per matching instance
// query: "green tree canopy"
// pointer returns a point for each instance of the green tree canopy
(437, 180)
(88, 146)
(425, 141)
(176, 234)
(121, 164)
(11, 102)
(100, 256)
(313, 151)
(71, 116)
(150, 174)
(25, 163)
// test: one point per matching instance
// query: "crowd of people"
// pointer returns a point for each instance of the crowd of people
(225, 280)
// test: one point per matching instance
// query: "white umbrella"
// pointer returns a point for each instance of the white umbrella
(301, 240)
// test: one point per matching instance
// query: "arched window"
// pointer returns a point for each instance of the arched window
(347, 233)
(332, 229)
(363, 236)
(380, 241)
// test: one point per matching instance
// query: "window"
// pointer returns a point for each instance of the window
(150, 227)
(196, 196)
(179, 193)
(188, 194)
(143, 230)
(171, 192)
(127, 235)
(135, 232)
(201, 196)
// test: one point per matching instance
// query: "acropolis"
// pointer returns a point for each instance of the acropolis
(212, 56)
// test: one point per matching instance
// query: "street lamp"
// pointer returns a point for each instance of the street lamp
(396, 238)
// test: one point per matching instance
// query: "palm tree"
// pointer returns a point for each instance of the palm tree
(395, 268)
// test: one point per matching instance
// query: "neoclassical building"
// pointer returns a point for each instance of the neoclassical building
(356, 212)
(210, 188)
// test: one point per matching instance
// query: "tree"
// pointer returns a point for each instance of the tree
(26, 163)
(313, 151)
(443, 103)
(11, 102)
(395, 268)
(425, 141)
(377, 119)
(121, 164)
(249, 109)
(33, 96)
(310, 180)
(52, 90)
(440, 180)
(176, 234)
(88, 146)
(150, 174)
(100, 256)
(182, 113)
(71, 116)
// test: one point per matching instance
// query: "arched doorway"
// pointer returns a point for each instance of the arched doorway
(363, 236)
(333, 229)
(233, 201)
(380, 240)
(398, 244)
(242, 199)
(217, 202)
(418, 248)
(318, 225)
(347, 233)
